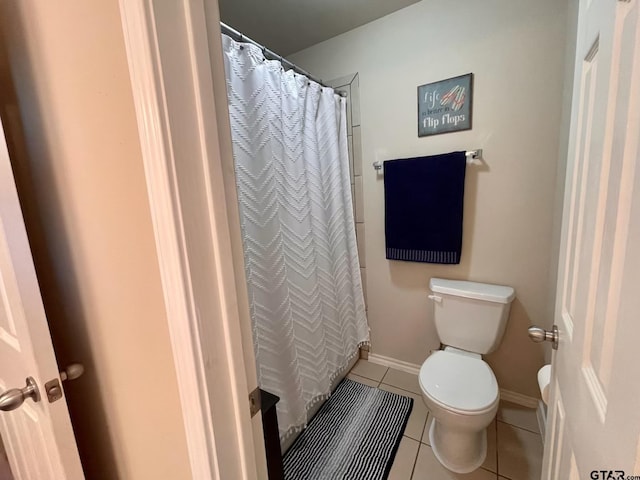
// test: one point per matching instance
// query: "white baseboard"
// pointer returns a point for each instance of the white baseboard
(518, 398)
(506, 395)
(393, 363)
(541, 413)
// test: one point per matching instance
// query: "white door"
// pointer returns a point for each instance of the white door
(593, 429)
(37, 435)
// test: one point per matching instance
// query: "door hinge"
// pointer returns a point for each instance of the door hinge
(254, 402)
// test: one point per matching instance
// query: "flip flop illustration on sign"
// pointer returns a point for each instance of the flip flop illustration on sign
(455, 97)
(458, 102)
(448, 97)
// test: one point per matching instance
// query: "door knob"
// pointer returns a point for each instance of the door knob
(538, 334)
(53, 387)
(12, 399)
(72, 371)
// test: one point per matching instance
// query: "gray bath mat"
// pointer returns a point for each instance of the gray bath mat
(355, 435)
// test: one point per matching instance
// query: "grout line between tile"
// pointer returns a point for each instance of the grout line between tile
(495, 426)
(517, 426)
(398, 388)
(362, 376)
(415, 460)
(487, 470)
(424, 427)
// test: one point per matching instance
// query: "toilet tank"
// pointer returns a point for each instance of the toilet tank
(469, 315)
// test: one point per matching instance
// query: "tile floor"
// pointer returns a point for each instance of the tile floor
(514, 443)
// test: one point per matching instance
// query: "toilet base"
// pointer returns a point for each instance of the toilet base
(460, 452)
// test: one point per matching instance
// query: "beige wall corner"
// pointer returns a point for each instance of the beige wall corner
(65, 99)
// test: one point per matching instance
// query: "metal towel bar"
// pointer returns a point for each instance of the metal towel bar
(473, 157)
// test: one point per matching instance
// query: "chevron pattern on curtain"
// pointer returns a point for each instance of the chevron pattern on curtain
(301, 261)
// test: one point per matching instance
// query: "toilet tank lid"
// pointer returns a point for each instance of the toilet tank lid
(478, 291)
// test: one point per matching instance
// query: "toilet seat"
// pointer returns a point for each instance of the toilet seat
(459, 383)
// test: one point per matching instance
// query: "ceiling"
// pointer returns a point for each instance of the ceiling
(288, 26)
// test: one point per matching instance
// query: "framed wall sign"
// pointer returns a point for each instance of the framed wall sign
(445, 106)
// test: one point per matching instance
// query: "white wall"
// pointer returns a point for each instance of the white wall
(516, 51)
(67, 107)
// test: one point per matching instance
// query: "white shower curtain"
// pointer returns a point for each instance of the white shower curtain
(292, 171)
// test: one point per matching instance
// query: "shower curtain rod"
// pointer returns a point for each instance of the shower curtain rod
(236, 35)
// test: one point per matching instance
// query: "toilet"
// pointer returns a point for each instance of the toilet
(458, 386)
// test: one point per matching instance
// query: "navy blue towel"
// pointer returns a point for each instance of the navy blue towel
(423, 206)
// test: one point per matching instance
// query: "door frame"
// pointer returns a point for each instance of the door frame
(174, 51)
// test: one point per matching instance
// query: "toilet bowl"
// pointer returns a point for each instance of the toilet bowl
(458, 387)
(461, 392)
